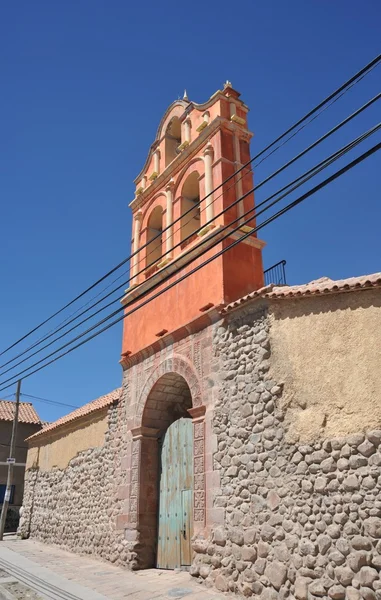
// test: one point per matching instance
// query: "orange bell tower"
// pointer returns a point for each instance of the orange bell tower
(184, 213)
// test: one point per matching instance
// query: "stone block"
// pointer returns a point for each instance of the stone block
(276, 573)
(221, 583)
(337, 592)
(267, 532)
(357, 560)
(219, 536)
(122, 521)
(249, 553)
(360, 542)
(372, 527)
(344, 575)
(367, 576)
(366, 448)
(367, 593)
(301, 588)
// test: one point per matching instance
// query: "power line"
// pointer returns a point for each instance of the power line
(274, 174)
(69, 320)
(288, 207)
(16, 446)
(55, 402)
(321, 139)
(258, 186)
(299, 181)
(339, 92)
(11, 396)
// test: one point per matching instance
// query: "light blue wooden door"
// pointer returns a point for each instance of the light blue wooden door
(175, 499)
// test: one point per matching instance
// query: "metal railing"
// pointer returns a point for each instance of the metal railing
(276, 274)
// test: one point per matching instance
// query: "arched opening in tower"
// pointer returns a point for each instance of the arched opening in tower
(154, 239)
(190, 208)
(172, 140)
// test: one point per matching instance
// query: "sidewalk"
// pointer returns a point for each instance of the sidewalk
(57, 574)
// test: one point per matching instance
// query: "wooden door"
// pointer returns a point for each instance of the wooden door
(175, 496)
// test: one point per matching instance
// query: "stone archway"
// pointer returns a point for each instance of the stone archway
(169, 399)
(174, 364)
(168, 395)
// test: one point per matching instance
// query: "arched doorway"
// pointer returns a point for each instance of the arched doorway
(167, 473)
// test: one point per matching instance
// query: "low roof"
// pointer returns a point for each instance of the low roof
(83, 411)
(27, 413)
(319, 287)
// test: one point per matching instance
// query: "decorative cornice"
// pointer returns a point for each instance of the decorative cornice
(198, 324)
(188, 107)
(197, 412)
(318, 288)
(238, 120)
(189, 254)
(177, 163)
(144, 432)
(170, 185)
(183, 104)
(208, 150)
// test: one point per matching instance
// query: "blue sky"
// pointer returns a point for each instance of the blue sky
(84, 85)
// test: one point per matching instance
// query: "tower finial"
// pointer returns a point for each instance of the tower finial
(227, 84)
(185, 97)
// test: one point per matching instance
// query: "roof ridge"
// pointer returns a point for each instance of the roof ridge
(82, 411)
(324, 285)
(27, 412)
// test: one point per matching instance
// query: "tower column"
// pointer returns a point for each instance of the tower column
(156, 162)
(187, 131)
(137, 228)
(208, 162)
(169, 213)
(239, 177)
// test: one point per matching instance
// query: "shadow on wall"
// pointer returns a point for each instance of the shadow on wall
(25, 521)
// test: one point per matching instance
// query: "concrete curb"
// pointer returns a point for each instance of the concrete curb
(50, 585)
(5, 595)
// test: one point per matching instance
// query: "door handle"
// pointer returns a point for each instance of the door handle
(184, 532)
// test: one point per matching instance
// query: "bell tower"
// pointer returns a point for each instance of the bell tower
(187, 210)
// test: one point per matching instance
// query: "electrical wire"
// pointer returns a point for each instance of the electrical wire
(288, 207)
(46, 401)
(338, 93)
(69, 319)
(299, 181)
(258, 186)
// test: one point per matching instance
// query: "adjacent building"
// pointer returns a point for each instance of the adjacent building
(29, 423)
(244, 442)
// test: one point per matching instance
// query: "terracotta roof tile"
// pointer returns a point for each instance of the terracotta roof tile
(27, 414)
(321, 286)
(83, 411)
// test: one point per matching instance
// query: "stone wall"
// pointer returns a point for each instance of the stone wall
(300, 520)
(77, 507)
(275, 515)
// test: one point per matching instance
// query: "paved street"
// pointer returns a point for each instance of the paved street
(55, 573)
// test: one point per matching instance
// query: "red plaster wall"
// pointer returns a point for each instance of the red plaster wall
(177, 306)
(236, 273)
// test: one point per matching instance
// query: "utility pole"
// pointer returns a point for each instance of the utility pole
(10, 462)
